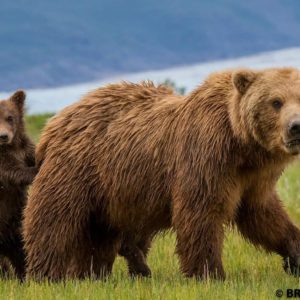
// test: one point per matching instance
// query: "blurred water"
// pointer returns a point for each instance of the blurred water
(54, 99)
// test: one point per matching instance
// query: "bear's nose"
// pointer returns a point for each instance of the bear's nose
(3, 138)
(294, 128)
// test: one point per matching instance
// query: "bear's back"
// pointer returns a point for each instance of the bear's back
(94, 113)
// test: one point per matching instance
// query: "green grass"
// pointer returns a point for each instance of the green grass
(251, 274)
(35, 124)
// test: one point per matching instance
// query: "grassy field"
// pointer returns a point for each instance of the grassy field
(251, 274)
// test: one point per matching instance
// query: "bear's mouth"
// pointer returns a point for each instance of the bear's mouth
(293, 146)
(293, 143)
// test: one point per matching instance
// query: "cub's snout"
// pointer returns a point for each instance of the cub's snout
(4, 138)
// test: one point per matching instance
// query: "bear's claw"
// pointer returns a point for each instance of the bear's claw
(291, 266)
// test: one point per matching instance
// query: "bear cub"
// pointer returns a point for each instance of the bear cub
(17, 171)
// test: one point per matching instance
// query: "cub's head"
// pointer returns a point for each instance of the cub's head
(11, 117)
(266, 108)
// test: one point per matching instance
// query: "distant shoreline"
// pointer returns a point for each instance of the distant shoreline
(51, 100)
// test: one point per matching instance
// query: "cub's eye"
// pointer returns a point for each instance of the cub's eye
(277, 104)
(10, 119)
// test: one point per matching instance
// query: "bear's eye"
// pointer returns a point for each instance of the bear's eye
(10, 119)
(277, 104)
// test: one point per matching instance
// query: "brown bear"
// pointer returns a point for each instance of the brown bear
(135, 159)
(17, 170)
(134, 253)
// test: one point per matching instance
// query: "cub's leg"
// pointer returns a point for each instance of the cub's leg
(17, 258)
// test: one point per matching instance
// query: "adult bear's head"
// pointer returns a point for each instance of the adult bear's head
(266, 107)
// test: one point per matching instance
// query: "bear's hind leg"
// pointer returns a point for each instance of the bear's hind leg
(52, 228)
(135, 255)
(98, 247)
(106, 242)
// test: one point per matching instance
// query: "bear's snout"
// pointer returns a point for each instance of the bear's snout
(294, 128)
(292, 140)
(3, 137)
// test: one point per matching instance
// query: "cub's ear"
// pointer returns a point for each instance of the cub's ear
(242, 79)
(18, 98)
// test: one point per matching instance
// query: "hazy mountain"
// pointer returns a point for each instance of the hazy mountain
(52, 43)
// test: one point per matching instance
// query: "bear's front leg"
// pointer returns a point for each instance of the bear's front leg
(19, 175)
(200, 237)
(262, 220)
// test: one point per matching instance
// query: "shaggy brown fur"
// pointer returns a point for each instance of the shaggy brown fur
(16, 172)
(138, 159)
(134, 252)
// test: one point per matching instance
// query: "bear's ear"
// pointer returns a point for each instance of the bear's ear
(242, 79)
(18, 98)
